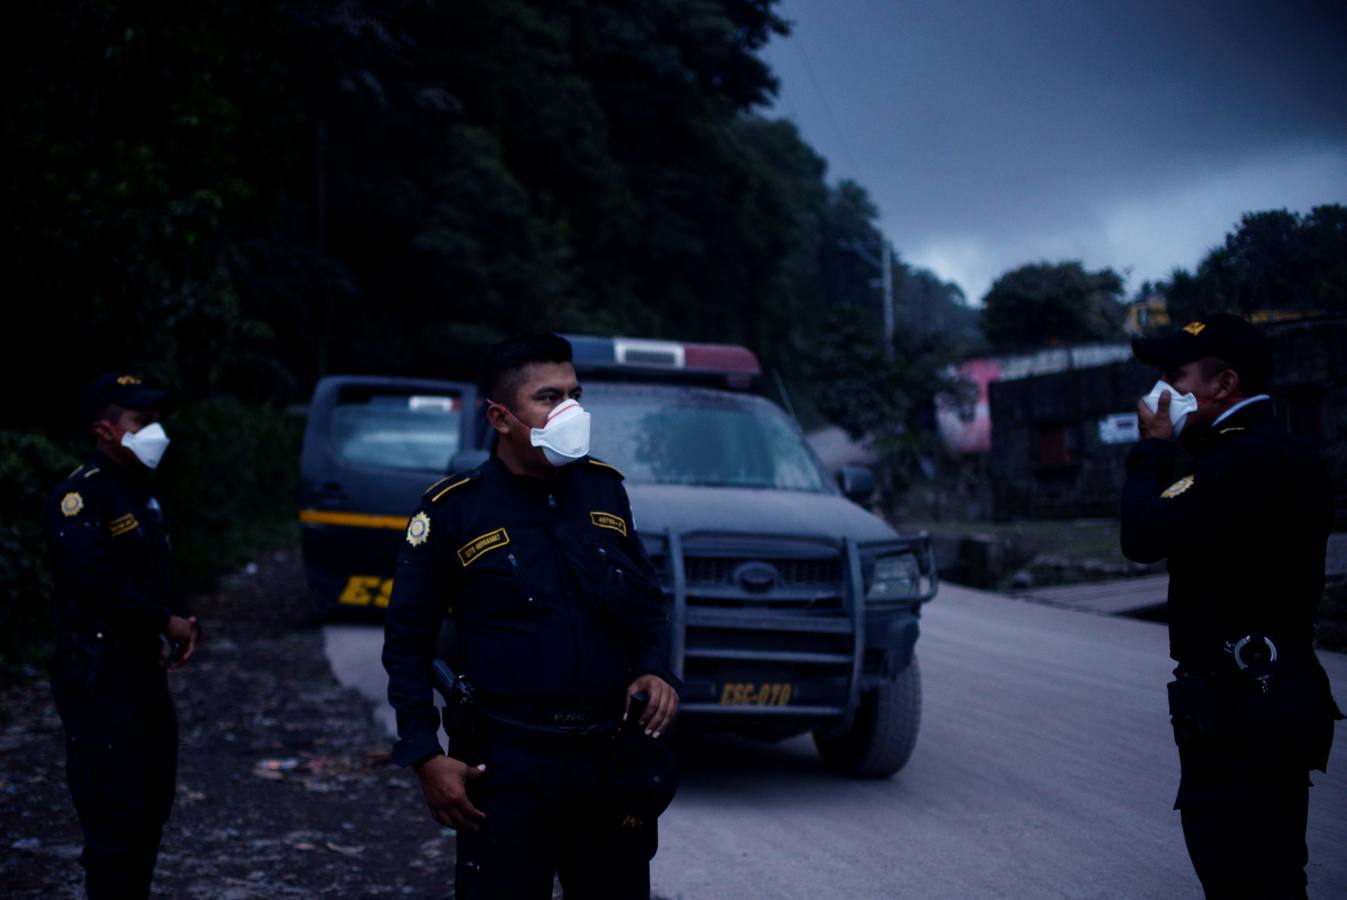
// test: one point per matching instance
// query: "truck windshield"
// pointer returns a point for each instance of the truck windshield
(397, 431)
(658, 434)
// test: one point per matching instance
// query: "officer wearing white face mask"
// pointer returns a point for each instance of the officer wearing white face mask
(119, 627)
(1244, 533)
(559, 620)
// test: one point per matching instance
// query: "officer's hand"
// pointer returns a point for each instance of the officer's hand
(185, 633)
(663, 703)
(444, 783)
(1156, 424)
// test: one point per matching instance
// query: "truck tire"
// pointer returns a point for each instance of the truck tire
(883, 733)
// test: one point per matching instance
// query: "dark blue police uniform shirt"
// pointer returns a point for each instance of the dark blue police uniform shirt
(552, 593)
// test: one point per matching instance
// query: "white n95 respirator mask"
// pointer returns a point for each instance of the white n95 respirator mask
(1180, 405)
(148, 444)
(565, 436)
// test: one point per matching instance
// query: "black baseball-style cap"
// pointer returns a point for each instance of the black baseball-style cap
(1224, 336)
(120, 389)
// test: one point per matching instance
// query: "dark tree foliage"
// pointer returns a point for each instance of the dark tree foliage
(1052, 303)
(237, 198)
(884, 398)
(1274, 261)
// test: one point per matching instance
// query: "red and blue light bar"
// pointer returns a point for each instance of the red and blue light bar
(738, 365)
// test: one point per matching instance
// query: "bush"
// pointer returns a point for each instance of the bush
(228, 484)
(30, 466)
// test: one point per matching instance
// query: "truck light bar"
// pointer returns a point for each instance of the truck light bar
(738, 364)
(638, 352)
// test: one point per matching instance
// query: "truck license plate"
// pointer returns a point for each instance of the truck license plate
(756, 693)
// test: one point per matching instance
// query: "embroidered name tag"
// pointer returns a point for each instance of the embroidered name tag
(608, 520)
(1178, 487)
(122, 524)
(477, 546)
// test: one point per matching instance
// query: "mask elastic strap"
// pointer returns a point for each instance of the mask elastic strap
(508, 412)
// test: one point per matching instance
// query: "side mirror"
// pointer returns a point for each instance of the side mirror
(856, 482)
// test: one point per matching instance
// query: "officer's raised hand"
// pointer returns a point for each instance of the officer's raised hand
(1156, 424)
(444, 784)
(663, 703)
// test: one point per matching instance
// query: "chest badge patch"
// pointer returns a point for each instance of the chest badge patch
(1178, 487)
(122, 524)
(71, 504)
(418, 529)
(608, 520)
(474, 548)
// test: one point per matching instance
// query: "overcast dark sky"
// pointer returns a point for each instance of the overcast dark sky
(1123, 134)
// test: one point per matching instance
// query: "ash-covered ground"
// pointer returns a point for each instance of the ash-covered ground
(284, 784)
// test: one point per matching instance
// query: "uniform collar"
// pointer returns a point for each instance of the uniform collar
(1241, 405)
(141, 480)
(528, 482)
(1236, 420)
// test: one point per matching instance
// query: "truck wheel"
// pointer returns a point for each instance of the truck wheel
(883, 733)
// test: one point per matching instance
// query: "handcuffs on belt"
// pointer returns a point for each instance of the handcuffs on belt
(1255, 655)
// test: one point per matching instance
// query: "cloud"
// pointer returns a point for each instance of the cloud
(1143, 235)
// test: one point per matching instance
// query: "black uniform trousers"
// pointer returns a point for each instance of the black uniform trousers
(1248, 840)
(121, 766)
(545, 816)
(1244, 792)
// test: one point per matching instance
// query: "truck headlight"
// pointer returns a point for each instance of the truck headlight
(894, 577)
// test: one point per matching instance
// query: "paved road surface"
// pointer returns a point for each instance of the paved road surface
(1045, 768)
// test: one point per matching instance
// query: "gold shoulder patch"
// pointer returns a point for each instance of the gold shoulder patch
(1195, 328)
(122, 524)
(603, 465)
(71, 504)
(608, 520)
(418, 529)
(1178, 487)
(492, 540)
(128, 379)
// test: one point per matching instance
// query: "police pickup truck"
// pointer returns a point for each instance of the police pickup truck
(793, 608)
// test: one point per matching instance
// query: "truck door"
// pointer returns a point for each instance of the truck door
(371, 447)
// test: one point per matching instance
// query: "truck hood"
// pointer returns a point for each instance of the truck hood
(749, 511)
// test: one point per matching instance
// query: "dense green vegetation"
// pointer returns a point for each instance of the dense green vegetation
(237, 198)
(1045, 303)
(1275, 261)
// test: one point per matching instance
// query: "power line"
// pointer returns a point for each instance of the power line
(827, 109)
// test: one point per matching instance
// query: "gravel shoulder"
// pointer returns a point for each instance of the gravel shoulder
(284, 783)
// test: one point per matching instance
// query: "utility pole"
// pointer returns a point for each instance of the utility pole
(884, 282)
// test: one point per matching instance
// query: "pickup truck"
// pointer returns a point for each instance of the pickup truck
(794, 609)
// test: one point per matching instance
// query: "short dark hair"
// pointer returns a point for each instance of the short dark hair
(507, 361)
(1252, 380)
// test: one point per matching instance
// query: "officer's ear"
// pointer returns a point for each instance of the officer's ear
(498, 418)
(1227, 384)
(104, 429)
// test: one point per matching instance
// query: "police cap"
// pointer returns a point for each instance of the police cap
(1224, 336)
(120, 389)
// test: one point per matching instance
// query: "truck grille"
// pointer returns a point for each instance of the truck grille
(761, 612)
(710, 570)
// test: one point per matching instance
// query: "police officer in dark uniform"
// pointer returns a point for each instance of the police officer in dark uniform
(559, 621)
(1244, 532)
(119, 627)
